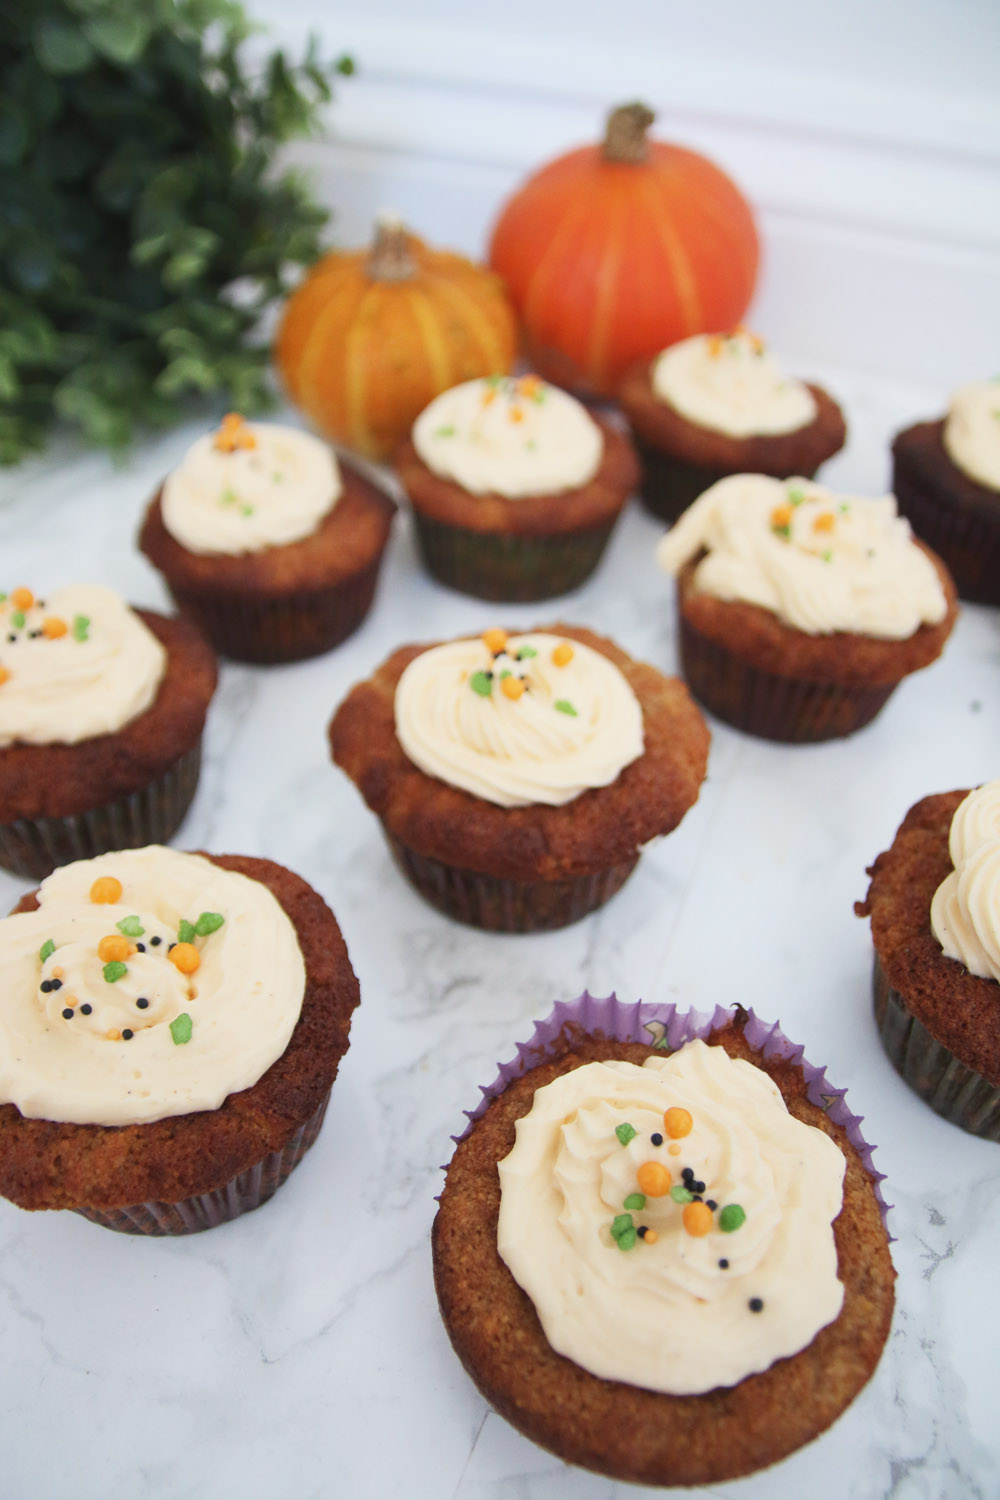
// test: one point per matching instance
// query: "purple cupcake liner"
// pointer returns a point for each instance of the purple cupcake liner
(34, 847)
(506, 905)
(967, 543)
(791, 710)
(954, 1091)
(243, 1193)
(667, 1027)
(506, 567)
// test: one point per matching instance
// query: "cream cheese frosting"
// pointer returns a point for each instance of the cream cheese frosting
(972, 431)
(731, 383)
(634, 1280)
(98, 1039)
(74, 665)
(248, 486)
(518, 719)
(509, 436)
(821, 562)
(965, 909)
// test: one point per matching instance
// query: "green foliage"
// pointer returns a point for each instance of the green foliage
(143, 227)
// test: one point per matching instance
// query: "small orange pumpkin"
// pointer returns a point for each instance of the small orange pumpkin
(371, 336)
(612, 252)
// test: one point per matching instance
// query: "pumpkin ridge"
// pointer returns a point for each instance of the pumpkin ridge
(477, 322)
(551, 260)
(615, 226)
(297, 325)
(315, 394)
(688, 299)
(357, 344)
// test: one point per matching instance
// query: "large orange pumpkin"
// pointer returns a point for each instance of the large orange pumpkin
(370, 337)
(612, 252)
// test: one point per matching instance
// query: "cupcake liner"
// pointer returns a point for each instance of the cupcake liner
(967, 543)
(506, 905)
(793, 710)
(952, 1090)
(286, 628)
(670, 484)
(33, 847)
(507, 567)
(241, 1194)
(667, 1027)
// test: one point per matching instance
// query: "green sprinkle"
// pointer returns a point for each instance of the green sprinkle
(530, 445)
(494, 380)
(209, 921)
(81, 627)
(446, 431)
(563, 706)
(181, 1028)
(115, 971)
(843, 508)
(246, 510)
(626, 1240)
(827, 556)
(277, 477)
(782, 531)
(480, 683)
(620, 1225)
(731, 1217)
(636, 1201)
(46, 950)
(680, 1194)
(796, 497)
(130, 926)
(525, 653)
(625, 1133)
(228, 497)
(185, 932)
(17, 619)
(506, 673)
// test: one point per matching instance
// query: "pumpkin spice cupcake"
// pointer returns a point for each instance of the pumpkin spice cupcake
(172, 1026)
(102, 709)
(719, 404)
(268, 542)
(517, 776)
(800, 611)
(946, 475)
(660, 1250)
(515, 487)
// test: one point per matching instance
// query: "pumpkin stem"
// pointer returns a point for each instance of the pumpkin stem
(625, 138)
(390, 258)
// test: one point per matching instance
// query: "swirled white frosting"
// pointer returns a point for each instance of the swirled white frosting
(242, 1001)
(101, 671)
(574, 726)
(732, 384)
(821, 562)
(509, 436)
(231, 501)
(972, 431)
(667, 1315)
(965, 909)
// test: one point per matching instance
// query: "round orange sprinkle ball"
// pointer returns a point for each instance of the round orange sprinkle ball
(512, 687)
(781, 515)
(677, 1122)
(106, 890)
(185, 957)
(825, 521)
(697, 1219)
(650, 1237)
(563, 654)
(22, 598)
(53, 627)
(4, 675)
(494, 640)
(654, 1179)
(114, 948)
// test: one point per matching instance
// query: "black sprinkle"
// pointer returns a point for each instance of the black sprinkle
(45, 986)
(40, 603)
(85, 1010)
(723, 1265)
(12, 637)
(126, 1035)
(140, 947)
(33, 635)
(656, 1138)
(697, 1187)
(712, 1204)
(642, 1231)
(687, 1173)
(697, 1198)
(756, 1304)
(156, 941)
(142, 1004)
(55, 984)
(172, 947)
(67, 1014)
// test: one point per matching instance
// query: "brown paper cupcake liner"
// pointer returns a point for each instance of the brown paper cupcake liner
(289, 628)
(34, 847)
(968, 544)
(243, 1193)
(792, 710)
(952, 1090)
(507, 905)
(506, 567)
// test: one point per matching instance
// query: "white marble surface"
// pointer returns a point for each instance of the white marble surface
(298, 1351)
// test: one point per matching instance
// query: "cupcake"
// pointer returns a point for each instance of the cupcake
(946, 476)
(518, 776)
(800, 610)
(171, 1028)
(268, 542)
(719, 404)
(935, 914)
(101, 715)
(515, 487)
(660, 1250)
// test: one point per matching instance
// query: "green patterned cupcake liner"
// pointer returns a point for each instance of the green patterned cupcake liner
(506, 567)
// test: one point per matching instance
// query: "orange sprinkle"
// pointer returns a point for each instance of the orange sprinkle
(57, 972)
(512, 687)
(22, 598)
(185, 957)
(4, 675)
(494, 640)
(113, 949)
(563, 654)
(233, 433)
(781, 515)
(71, 1001)
(756, 343)
(697, 1219)
(517, 414)
(677, 1122)
(674, 1149)
(53, 627)
(650, 1237)
(715, 345)
(654, 1179)
(114, 1035)
(106, 890)
(825, 521)
(489, 395)
(529, 385)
